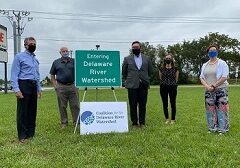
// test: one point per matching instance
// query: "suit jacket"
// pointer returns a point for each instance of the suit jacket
(132, 75)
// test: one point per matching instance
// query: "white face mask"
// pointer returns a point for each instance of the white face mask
(66, 54)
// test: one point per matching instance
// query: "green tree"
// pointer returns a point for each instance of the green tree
(2, 81)
(190, 55)
(150, 51)
(229, 48)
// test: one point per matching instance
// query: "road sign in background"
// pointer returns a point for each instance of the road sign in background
(3, 44)
(94, 68)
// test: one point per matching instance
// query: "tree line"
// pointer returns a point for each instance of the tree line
(189, 56)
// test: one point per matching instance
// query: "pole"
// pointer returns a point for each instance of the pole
(15, 38)
(18, 17)
(78, 118)
(5, 78)
(97, 47)
(114, 93)
(236, 74)
(96, 94)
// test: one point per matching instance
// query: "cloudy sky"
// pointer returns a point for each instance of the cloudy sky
(114, 24)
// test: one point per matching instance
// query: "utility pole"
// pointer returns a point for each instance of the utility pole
(71, 53)
(15, 38)
(17, 19)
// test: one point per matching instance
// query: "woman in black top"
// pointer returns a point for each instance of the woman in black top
(168, 75)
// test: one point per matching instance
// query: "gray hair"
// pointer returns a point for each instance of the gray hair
(27, 39)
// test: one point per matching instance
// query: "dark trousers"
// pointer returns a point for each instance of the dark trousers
(27, 109)
(138, 100)
(171, 91)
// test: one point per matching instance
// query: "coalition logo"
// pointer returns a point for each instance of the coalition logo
(87, 117)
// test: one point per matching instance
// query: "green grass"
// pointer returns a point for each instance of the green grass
(185, 144)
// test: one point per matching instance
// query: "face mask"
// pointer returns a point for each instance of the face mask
(65, 55)
(168, 61)
(31, 48)
(212, 54)
(136, 51)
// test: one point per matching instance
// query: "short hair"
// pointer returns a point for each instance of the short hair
(166, 54)
(213, 45)
(136, 42)
(27, 39)
(63, 48)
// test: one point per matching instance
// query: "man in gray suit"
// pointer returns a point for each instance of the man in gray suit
(136, 71)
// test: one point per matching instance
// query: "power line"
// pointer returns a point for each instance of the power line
(129, 19)
(123, 18)
(102, 41)
(129, 16)
(133, 18)
(191, 21)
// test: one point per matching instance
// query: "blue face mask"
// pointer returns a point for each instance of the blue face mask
(212, 54)
(65, 55)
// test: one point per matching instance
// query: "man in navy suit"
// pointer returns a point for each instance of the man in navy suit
(136, 71)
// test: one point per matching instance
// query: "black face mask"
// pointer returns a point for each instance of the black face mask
(168, 61)
(31, 48)
(136, 51)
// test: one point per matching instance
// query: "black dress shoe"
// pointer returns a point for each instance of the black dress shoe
(142, 126)
(135, 126)
(22, 141)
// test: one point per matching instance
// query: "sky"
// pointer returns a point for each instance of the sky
(115, 24)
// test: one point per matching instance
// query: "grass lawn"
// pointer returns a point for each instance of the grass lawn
(185, 144)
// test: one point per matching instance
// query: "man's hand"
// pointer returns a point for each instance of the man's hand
(19, 95)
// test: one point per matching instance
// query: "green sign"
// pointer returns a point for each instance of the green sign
(96, 68)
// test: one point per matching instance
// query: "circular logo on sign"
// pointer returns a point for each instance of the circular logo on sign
(87, 117)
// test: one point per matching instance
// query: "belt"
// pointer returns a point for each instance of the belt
(65, 83)
(28, 81)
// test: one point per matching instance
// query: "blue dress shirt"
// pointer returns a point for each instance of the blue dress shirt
(138, 61)
(25, 66)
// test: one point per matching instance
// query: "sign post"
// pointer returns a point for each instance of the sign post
(236, 74)
(3, 52)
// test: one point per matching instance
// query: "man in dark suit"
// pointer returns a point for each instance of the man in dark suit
(136, 71)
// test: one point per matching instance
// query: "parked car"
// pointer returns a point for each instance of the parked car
(2, 87)
(9, 87)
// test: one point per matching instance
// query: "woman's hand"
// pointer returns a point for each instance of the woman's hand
(210, 88)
